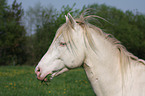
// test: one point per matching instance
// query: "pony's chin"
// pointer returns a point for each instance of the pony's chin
(48, 77)
(56, 73)
(44, 77)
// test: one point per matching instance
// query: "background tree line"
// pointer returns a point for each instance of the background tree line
(26, 36)
(12, 34)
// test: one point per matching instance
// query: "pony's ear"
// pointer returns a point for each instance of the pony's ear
(70, 20)
(67, 20)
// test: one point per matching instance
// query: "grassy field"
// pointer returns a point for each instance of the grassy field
(21, 81)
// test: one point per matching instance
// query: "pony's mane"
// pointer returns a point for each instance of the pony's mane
(66, 31)
(125, 57)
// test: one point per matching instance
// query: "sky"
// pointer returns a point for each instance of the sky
(124, 5)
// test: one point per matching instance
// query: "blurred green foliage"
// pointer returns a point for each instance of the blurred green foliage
(127, 27)
(12, 34)
(41, 24)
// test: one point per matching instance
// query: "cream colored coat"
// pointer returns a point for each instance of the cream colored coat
(111, 69)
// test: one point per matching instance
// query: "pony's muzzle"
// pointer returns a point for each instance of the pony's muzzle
(39, 74)
(37, 71)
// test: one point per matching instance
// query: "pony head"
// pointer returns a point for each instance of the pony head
(64, 53)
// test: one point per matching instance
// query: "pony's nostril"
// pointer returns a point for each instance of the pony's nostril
(37, 70)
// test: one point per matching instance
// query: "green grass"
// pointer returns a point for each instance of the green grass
(21, 81)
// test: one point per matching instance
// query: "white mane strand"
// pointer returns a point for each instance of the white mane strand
(65, 30)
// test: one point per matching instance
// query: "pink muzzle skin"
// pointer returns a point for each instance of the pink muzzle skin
(38, 75)
(39, 78)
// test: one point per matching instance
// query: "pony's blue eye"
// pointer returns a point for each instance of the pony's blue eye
(62, 44)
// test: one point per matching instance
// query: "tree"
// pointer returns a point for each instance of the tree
(125, 26)
(12, 36)
(46, 21)
(40, 25)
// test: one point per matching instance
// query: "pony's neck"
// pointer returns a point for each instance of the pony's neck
(102, 67)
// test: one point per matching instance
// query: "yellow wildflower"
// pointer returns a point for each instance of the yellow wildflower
(11, 83)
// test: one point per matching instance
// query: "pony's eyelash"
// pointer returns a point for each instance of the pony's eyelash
(62, 43)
